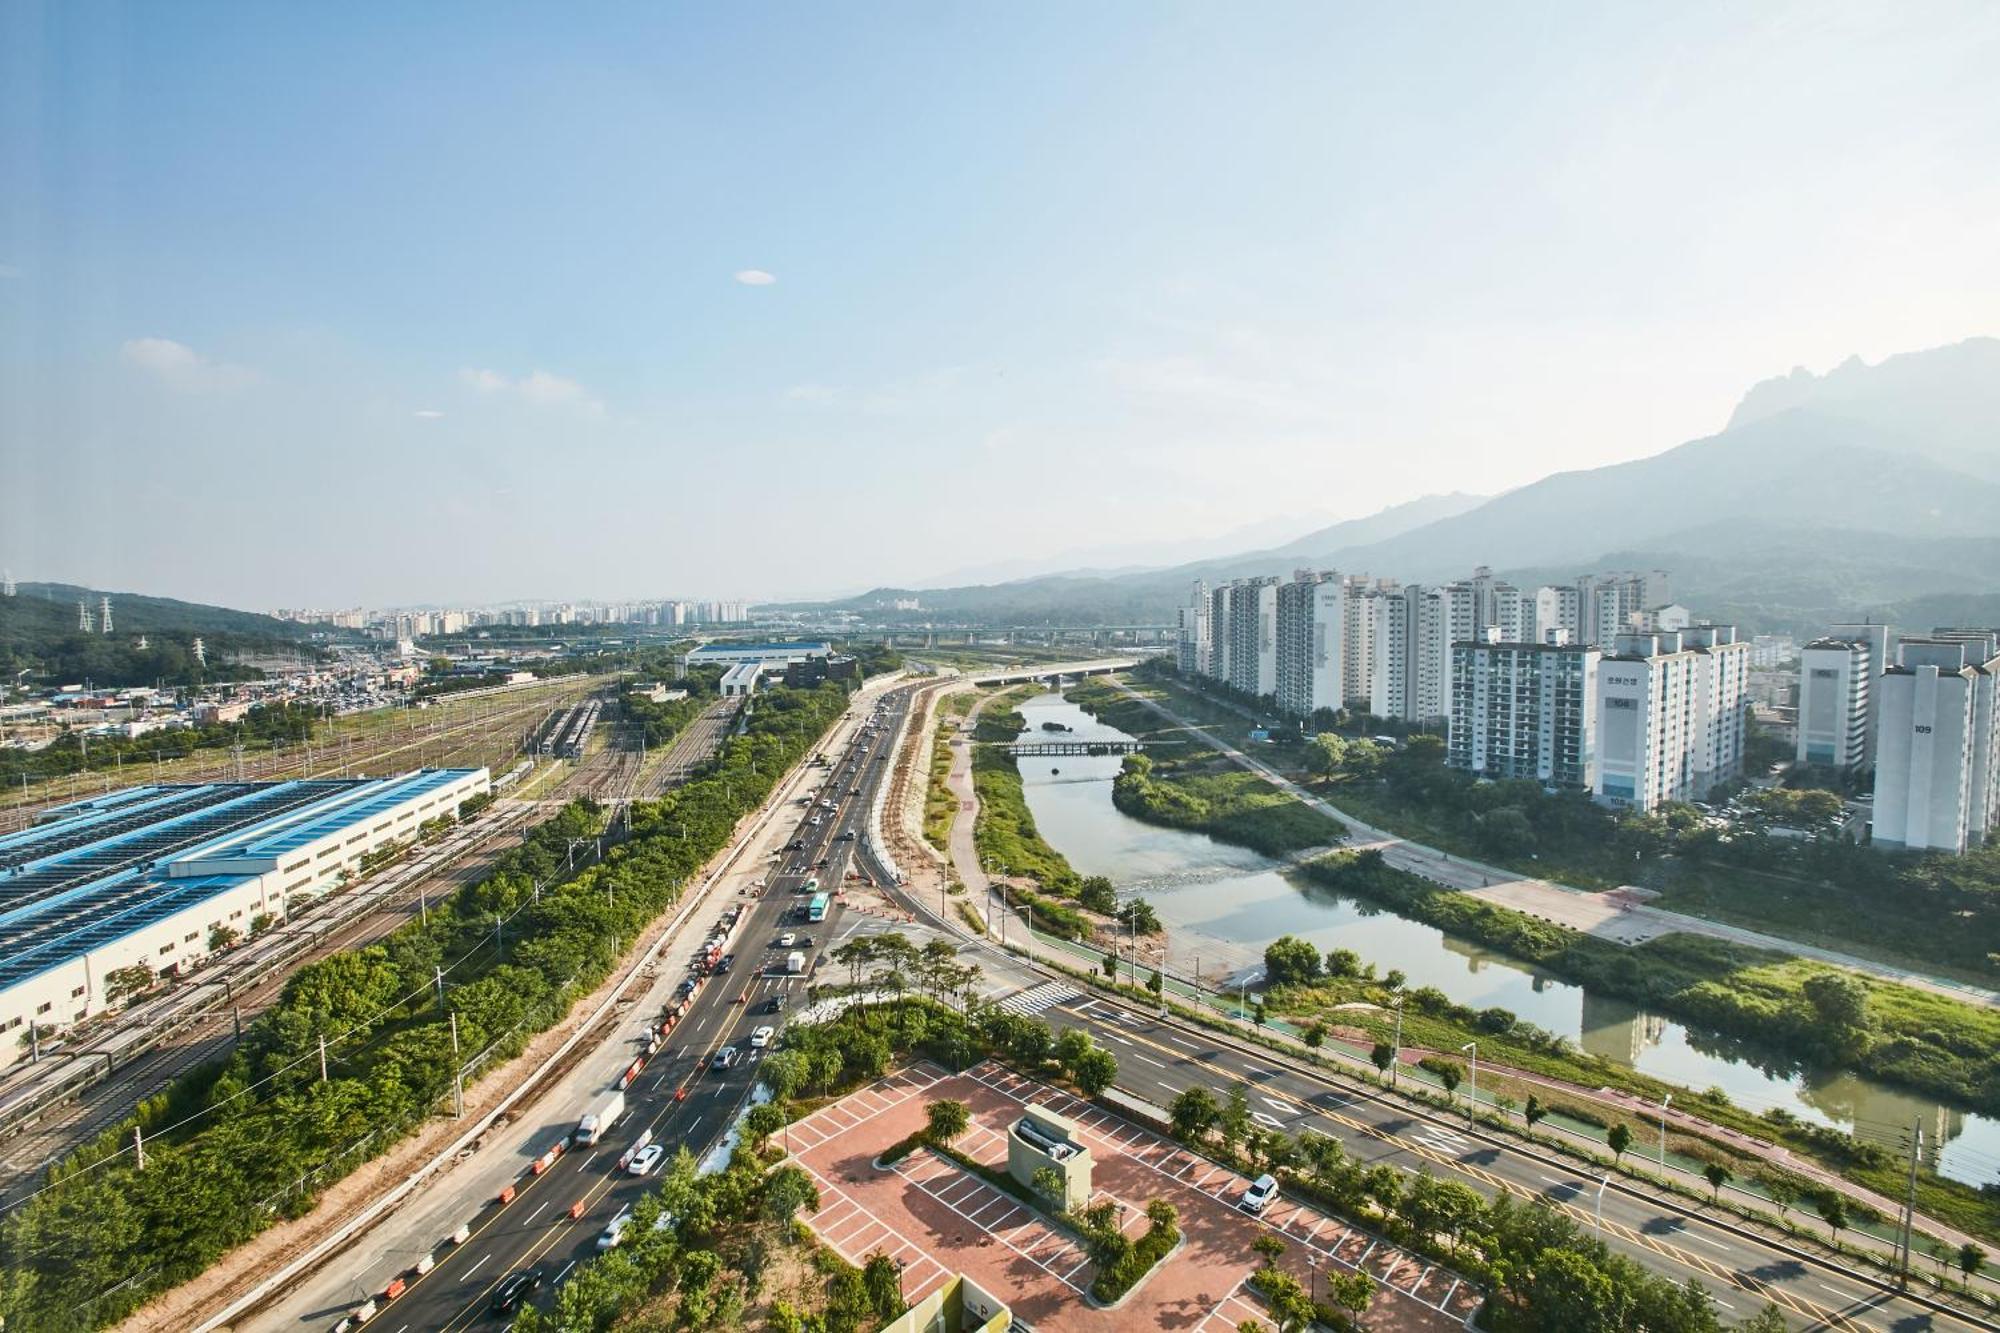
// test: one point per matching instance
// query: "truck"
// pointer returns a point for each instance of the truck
(599, 1119)
(795, 962)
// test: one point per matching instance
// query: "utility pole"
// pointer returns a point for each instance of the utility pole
(139, 1146)
(1396, 1055)
(438, 973)
(1472, 1101)
(1665, 1102)
(1910, 1204)
(457, 1073)
(322, 1059)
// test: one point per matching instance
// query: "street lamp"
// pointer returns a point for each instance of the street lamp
(1665, 1102)
(1472, 1101)
(1396, 1052)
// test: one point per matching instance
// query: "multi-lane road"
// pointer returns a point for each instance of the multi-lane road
(680, 1098)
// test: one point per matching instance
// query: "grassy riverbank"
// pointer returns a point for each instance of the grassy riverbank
(1188, 784)
(1773, 1010)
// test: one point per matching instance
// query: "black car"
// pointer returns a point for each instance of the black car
(723, 965)
(516, 1289)
(775, 1005)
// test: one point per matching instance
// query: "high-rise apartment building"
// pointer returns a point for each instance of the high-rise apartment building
(1191, 645)
(1935, 787)
(1836, 702)
(1397, 638)
(1217, 666)
(1312, 613)
(1670, 715)
(1253, 636)
(1524, 710)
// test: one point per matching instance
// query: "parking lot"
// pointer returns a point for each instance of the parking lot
(935, 1218)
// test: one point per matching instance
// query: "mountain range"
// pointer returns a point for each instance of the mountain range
(1870, 490)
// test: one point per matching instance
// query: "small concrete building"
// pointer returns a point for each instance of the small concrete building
(1041, 1138)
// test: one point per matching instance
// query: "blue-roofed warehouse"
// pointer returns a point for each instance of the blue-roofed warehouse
(162, 875)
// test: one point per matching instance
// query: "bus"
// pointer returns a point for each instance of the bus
(816, 909)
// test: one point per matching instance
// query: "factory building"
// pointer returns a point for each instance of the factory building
(150, 874)
(777, 655)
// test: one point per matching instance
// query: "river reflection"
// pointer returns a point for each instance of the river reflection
(1223, 904)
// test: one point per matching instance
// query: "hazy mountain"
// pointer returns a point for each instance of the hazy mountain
(1943, 404)
(1862, 488)
(39, 633)
(1134, 557)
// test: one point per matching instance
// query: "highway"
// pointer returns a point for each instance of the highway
(536, 1228)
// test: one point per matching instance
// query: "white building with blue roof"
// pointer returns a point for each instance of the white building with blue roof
(149, 874)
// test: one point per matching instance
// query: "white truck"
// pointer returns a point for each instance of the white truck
(599, 1119)
(795, 962)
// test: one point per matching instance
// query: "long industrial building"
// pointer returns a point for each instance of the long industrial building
(148, 874)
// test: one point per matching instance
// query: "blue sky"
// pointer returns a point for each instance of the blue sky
(335, 304)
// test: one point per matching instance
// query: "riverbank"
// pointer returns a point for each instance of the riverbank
(1188, 784)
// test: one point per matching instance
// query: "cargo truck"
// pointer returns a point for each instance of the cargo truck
(599, 1119)
(795, 963)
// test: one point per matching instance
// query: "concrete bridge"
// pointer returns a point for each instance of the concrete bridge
(1053, 672)
(1021, 748)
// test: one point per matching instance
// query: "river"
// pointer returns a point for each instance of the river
(1221, 905)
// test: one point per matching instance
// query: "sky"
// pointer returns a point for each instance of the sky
(326, 304)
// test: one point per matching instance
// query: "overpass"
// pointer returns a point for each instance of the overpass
(1050, 671)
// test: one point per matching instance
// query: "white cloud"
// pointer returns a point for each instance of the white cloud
(427, 414)
(755, 277)
(538, 388)
(180, 367)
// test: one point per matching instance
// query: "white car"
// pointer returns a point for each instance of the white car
(788, 939)
(614, 1233)
(762, 1036)
(1258, 1197)
(648, 1159)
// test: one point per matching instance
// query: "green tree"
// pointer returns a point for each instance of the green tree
(1289, 959)
(1770, 1319)
(1343, 963)
(1382, 1055)
(1970, 1259)
(787, 1192)
(946, 1120)
(1095, 1071)
(1268, 1248)
(1314, 1035)
(1051, 1186)
(1839, 1000)
(1717, 1176)
(1157, 983)
(1533, 1113)
(785, 1072)
(1325, 754)
(1832, 1210)
(1352, 1292)
(1618, 1140)
(882, 1278)
(222, 937)
(1290, 1305)
(1110, 966)
(1193, 1114)
(122, 983)
(1097, 894)
(1234, 1123)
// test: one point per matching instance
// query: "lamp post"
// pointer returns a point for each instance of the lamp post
(1665, 1102)
(1396, 1053)
(1472, 1101)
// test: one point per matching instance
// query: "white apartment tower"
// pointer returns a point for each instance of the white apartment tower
(1253, 636)
(1397, 635)
(1312, 614)
(1191, 645)
(1524, 710)
(1836, 698)
(1217, 665)
(1670, 715)
(1935, 786)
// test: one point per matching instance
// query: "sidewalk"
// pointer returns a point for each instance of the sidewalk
(964, 861)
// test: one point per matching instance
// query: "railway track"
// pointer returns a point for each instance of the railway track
(451, 740)
(63, 1127)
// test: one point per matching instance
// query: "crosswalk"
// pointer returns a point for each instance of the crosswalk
(1035, 999)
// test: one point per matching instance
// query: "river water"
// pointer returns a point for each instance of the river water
(1222, 904)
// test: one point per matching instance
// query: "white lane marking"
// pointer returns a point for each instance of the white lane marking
(565, 1270)
(538, 1210)
(482, 1260)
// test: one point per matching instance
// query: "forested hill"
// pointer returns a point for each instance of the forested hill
(39, 634)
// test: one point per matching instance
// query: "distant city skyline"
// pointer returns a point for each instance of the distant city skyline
(316, 306)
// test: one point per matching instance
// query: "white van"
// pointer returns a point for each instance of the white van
(1258, 1197)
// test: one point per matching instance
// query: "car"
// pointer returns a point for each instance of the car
(787, 940)
(762, 1037)
(725, 1058)
(775, 1005)
(507, 1297)
(805, 941)
(647, 1159)
(846, 837)
(1259, 1195)
(724, 963)
(614, 1232)
(796, 845)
